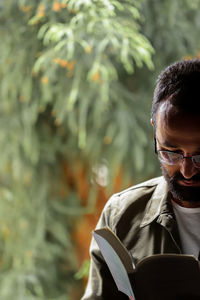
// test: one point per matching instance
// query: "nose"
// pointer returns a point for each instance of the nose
(187, 168)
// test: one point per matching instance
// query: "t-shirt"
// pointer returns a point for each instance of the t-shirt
(188, 220)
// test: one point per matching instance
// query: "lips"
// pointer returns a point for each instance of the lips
(189, 183)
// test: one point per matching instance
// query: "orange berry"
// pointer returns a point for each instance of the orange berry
(25, 8)
(44, 80)
(40, 10)
(96, 76)
(41, 14)
(88, 49)
(70, 65)
(63, 63)
(56, 6)
(57, 60)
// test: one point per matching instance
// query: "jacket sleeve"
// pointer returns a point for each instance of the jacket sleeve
(101, 285)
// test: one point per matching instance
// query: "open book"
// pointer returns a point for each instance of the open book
(157, 277)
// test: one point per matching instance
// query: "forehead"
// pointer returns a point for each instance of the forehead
(178, 128)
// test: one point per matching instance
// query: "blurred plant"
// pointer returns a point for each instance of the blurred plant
(60, 114)
(71, 114)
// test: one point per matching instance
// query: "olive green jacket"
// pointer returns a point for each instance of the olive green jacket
(143, 219)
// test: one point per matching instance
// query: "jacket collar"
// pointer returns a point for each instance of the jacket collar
(160, 210)
(158, 204)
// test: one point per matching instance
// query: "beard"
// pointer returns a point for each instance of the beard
(183, 193)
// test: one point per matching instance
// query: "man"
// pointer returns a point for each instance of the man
(161, 215)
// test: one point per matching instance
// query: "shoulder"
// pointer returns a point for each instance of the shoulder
(131, 201)
(141, 187)
(135, 192)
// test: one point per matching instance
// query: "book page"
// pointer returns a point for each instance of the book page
(115, 265)
(117, 245)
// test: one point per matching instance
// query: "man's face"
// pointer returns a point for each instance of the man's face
(180, 133)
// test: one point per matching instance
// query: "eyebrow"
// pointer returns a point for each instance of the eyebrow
(168, 144)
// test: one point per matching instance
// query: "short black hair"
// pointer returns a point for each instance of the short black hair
(179, 83)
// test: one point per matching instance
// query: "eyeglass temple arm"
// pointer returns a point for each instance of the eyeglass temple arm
(155, 146)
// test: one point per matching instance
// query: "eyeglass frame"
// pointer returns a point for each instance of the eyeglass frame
(179, 155)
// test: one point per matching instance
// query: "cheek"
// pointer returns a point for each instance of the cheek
(171, 170)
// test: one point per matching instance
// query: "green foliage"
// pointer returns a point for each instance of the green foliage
(59, 84)
(76, 79)
(175, 33)
(84, 270)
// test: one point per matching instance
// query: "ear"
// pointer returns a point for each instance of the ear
(152, 123)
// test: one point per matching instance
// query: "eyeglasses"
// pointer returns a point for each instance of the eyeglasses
(173, 158)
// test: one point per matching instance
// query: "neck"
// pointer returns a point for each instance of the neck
(188, 204)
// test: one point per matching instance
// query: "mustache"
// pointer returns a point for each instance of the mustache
(179, 176)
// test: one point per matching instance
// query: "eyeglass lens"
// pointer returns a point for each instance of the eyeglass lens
(173, 158)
